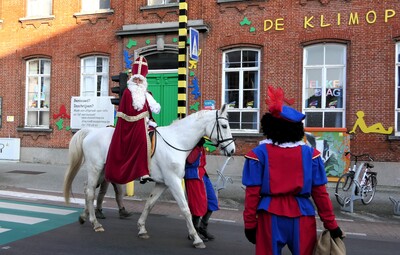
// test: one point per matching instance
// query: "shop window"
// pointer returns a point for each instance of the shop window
(38, 93)
(92, 6)
(324, 85)
(161, 2)
(94, 76)
(240, 88)
(397, 115)
(39, 8)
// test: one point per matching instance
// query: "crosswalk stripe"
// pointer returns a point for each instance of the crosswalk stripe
(2, 230)
(39, 196)
(35, 208)
(20, 219)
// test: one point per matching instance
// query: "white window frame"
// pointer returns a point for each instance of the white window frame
(94, 83)
(241, 109)
(37, 95)
(93, 6)
(397, 88)
(324, 67)
(39, 8)
(161, 2)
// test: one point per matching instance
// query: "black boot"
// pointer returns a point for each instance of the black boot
(196, 224)
(203, 226)
(123, 213)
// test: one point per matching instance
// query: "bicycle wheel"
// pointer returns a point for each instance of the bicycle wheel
(368, 190)
(343, 188)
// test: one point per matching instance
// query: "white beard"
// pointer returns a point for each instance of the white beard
(138, 93)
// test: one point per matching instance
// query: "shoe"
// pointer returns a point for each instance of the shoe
(99, 214)
(123, 213)
(145, 178)
(204, 239)
(206, 234)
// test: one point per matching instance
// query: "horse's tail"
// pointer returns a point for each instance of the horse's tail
(75, 153)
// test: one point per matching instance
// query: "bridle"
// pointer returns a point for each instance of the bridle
(220, 139)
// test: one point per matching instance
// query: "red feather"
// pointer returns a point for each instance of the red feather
(275, 100)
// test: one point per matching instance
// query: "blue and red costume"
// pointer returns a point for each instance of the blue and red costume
(200, 192)
(280, 180)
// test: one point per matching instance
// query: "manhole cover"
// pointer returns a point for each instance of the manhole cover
(25, 172)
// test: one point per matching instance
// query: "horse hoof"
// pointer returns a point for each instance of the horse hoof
(99, 229)
(81, 220)
(200, 245)
(143, 236)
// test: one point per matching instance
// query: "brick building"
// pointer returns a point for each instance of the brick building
(336, 58)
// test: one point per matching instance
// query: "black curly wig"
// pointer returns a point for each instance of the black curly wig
(280, 130)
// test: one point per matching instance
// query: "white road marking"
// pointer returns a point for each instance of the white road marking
(20, 219)
(35, 208)
(2, 230)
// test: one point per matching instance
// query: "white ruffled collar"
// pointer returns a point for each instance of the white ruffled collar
(283, 145)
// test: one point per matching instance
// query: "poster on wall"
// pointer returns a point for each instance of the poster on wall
(332, 143)
(92, 112)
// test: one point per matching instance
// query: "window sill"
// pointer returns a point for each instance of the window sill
(160, 6)
(393, 137)
(34, 129)
(246, 134)
(37, 21)
(93, 17)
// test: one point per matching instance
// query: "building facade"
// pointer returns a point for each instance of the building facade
(337, 60)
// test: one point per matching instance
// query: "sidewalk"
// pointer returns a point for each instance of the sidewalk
(48, 179)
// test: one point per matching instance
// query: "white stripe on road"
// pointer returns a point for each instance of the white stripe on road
(20, 219)
(35, 208)
(2, 230)
(42, 197)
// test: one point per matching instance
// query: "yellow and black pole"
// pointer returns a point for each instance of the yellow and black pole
(182, 71)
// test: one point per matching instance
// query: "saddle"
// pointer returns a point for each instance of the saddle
(153, 141)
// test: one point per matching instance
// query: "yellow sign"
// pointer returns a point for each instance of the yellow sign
(375, 128)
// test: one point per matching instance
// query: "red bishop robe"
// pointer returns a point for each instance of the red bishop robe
(128, 155)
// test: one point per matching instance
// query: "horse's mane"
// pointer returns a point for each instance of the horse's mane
(195, 115)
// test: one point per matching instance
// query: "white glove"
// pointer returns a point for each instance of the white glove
(154, 106)
(152, 124)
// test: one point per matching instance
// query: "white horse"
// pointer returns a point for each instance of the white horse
(89, 147)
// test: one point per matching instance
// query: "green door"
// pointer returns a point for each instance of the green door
(164, 87)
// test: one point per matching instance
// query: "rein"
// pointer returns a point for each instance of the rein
(170, 145)
(220, 139)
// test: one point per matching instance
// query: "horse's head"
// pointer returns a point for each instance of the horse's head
(220, 133)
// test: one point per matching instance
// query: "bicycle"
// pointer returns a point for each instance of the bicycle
(350, 186)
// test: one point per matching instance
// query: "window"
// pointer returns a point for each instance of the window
(94, 76)
(39, 8)
(397, 115)
(161, 2)
(90, 6)
(324, 85)
(38, 93)
(240, 88)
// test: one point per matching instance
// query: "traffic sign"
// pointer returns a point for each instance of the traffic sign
(194, 44)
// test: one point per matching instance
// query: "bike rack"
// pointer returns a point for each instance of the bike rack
(396, 206)
(222, 179)
(349, 201)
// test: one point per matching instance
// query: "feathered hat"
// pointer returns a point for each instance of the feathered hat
(275, 101)
(140, 68)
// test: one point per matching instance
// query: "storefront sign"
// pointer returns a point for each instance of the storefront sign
(338, 19)
(94, 112)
